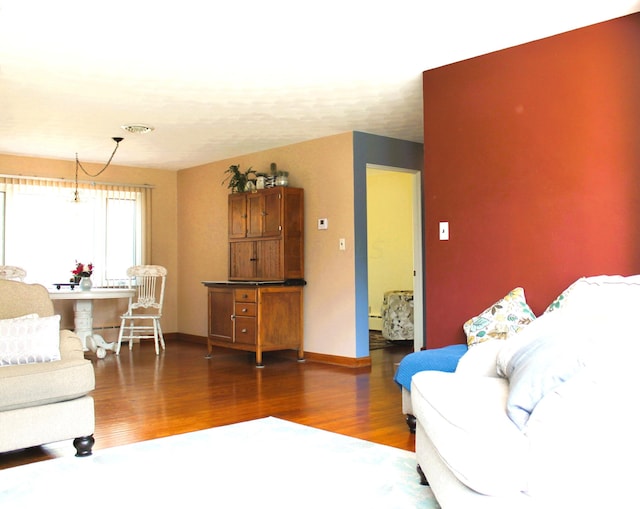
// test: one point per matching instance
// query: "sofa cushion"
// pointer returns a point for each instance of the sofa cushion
(530, 376)
(465, 420)
(541, 366)
(595, 316)
(588, 425)
(500, 320)
(29, 339)
(544, 325)
(28, 385)
(481, 359)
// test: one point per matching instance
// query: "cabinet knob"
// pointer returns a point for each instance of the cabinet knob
(244, 310)
(244, 295)
(244, 331)
(264, 213)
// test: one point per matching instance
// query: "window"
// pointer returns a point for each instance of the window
(46, 230)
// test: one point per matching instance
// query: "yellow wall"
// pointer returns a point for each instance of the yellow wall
(164, 249)
(389, 234)
(324, 168)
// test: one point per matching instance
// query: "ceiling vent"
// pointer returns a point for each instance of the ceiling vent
(137, 128)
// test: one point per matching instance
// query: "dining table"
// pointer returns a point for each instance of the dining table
(83, 312)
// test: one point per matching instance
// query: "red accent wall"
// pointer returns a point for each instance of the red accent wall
(533, 156)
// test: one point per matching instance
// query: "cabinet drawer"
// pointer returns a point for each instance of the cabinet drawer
(245, 294)
(245, 330)
(245, 309)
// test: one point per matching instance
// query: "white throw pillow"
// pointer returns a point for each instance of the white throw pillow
(541, 366)
(29, 339)
(18, 318)
(481, 359)
(544, 325)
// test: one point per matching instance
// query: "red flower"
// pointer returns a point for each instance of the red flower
(82, 270)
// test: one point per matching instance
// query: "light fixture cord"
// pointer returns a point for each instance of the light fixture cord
(79, 165)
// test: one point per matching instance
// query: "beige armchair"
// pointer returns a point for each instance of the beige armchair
(44, 400)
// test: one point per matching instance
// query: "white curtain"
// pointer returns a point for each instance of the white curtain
(47, 230)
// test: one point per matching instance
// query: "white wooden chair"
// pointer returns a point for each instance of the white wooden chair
(12, 273)
(145, 305)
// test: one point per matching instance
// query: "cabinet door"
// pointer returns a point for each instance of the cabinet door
(272, 220)
(242, 260)
(269, 260)
(282, 317)
(255, 211)
(264, 213)
(237, 216)
(221, 308)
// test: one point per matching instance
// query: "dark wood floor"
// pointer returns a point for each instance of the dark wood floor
(140, 396)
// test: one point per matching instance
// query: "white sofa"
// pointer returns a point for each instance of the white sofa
(546, 418)
(438, 359)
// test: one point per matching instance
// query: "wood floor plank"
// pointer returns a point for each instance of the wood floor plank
(141, 396)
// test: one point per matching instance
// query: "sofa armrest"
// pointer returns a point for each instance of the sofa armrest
(437, 359)
(480, 359)
(70, 345)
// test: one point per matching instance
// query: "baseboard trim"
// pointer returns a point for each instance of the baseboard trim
(350, 362)
(190, 338)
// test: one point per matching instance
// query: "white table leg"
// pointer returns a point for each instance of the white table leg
(101, 343)
(83, 310)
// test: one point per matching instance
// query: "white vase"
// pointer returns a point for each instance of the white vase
(85, 284)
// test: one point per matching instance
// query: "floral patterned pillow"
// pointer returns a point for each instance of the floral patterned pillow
(501, 320)
(620, 288)
(561, 299)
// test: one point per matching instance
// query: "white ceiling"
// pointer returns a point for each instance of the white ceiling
(221, 79)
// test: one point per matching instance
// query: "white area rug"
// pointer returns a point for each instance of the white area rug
(263, 463)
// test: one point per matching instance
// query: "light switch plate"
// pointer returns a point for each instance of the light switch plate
(323, 224)
(444, 230)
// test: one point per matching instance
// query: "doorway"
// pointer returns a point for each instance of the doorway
(394, 241)
(370, 150)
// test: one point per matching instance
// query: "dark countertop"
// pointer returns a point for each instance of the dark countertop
(288, 282)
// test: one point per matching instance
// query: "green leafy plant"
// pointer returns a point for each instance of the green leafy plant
(237, 180)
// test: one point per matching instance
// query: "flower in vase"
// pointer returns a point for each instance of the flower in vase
(81, 271)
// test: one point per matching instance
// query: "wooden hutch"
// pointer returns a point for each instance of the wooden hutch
(260, 307)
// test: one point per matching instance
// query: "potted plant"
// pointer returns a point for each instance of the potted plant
(238, 180)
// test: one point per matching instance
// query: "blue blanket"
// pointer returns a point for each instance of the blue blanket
(438, 359)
